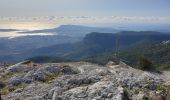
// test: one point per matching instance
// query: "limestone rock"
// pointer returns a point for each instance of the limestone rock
(82, 81)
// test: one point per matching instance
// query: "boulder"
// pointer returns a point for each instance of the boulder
(15, 81)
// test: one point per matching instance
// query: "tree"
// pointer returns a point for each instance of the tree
(145, 64)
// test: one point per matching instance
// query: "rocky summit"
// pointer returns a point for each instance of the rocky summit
(81, 81)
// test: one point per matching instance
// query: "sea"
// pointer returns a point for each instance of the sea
(25, 26)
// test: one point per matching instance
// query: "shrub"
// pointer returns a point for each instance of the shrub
(125, 94)
(2, 85)
(145, 64)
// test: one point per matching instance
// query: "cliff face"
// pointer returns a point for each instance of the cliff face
(81, 81)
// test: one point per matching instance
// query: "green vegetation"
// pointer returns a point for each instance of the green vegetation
(161, 88)
(158, 54)
(4, 91)
(17, 99)
(126, 94)
(6, 76)
(7, 89)
(2, 85)
(48, 59)
(155, 56)
(145, 98)
(50, 78)
(101, 59)
(99, 48)
(145, 64)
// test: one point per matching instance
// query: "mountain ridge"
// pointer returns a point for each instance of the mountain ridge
(81, 80)
(103, 42)
(73, 48)
(74, 30)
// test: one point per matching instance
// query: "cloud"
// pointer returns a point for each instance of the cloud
(92, 19)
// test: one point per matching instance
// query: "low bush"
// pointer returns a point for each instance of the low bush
(145, 64)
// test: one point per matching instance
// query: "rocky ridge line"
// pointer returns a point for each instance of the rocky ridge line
(82, 81)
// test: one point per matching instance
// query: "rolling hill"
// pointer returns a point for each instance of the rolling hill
(97, 43)
(91, 46)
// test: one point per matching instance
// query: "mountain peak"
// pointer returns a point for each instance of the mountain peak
(83, 80)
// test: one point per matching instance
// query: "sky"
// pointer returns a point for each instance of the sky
(97, 12)
(149, 8)
(40, 14)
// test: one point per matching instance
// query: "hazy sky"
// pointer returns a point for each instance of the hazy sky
(85, 7)
(40, 14)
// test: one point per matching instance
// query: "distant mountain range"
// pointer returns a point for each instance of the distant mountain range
(100, 48)
(17, 48)
(74, 30)
(97, 43)
(75, 43)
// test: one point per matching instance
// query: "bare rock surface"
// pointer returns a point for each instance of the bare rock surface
(82, 81)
